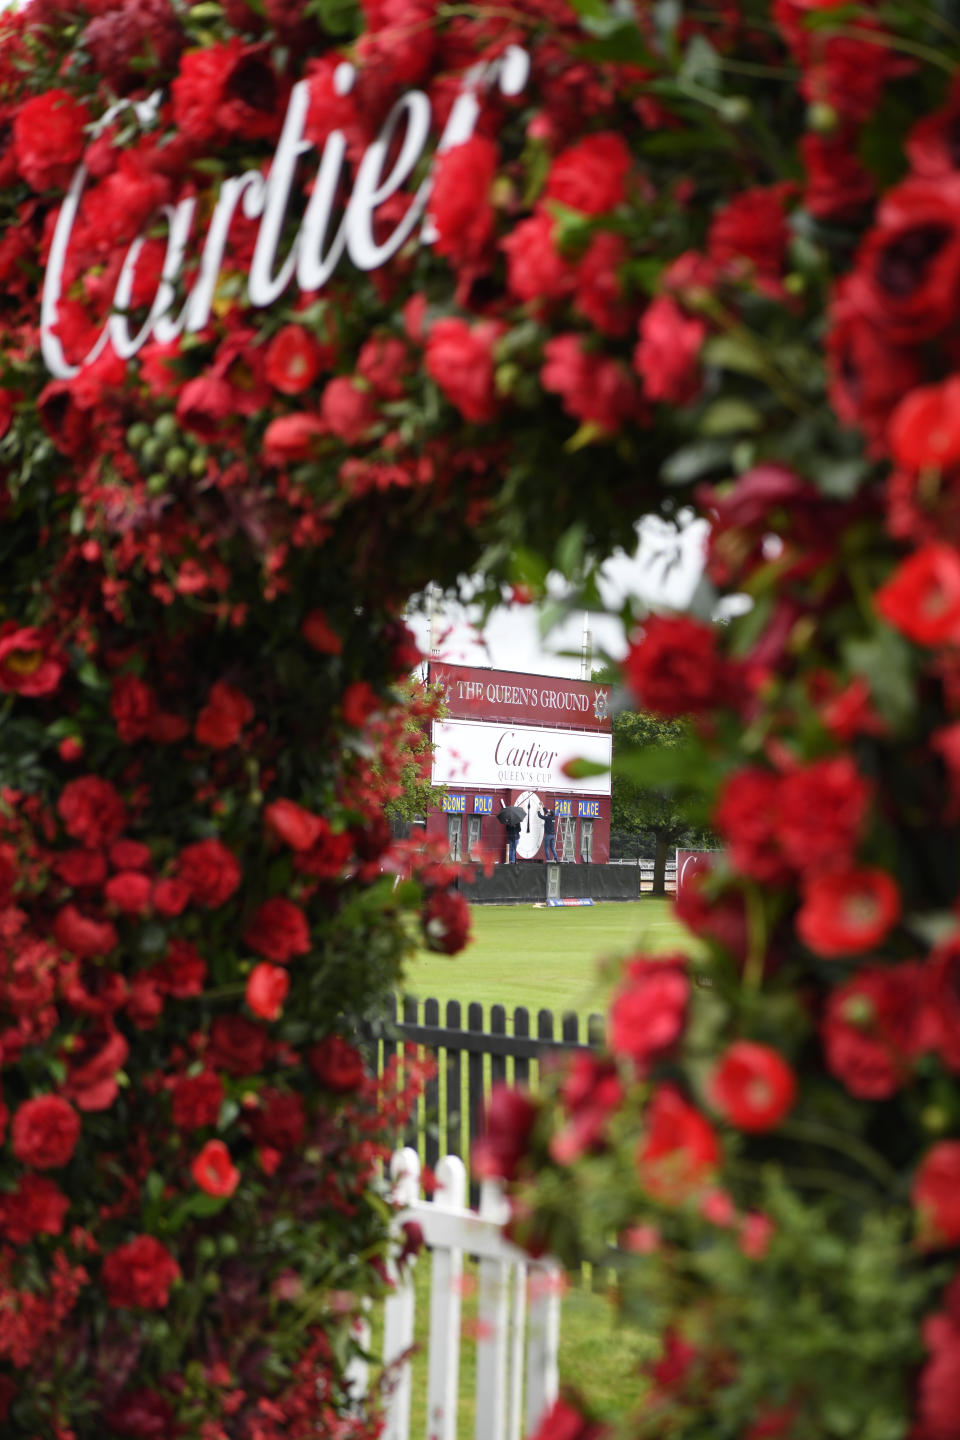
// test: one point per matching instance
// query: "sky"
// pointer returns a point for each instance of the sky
(512, 641)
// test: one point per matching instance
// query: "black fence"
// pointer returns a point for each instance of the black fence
(471, 1058)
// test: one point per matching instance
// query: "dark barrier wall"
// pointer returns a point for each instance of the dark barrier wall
(527, 884)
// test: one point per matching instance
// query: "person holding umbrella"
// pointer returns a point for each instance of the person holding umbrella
(549, 818)
(511, 817)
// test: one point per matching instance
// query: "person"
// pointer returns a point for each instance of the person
(513, 837)
(549, 818)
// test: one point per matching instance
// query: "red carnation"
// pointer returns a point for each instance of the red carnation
(237, 1045)
(278, 931)
(535, 268)
(45, 1132)
(446, 922)
(129, 891)
(226, 90)
(92, 811)
(337, 1064)
(292, 824)
(666, 358)
(747, 815)
(81, 935)
(318, 632)
(279, 1121)
(210, 871)
(752, 228)
(922, 597)
(383, 363)
(848, 911)
(752, 1087)
(214, 1171)
(221, 721)
(460, 358)
(591, 176)
(822, 809)
(679, 1151)
(30, 663)
(133, 706)
(138, 1275)
(594, 389)
(196, 1099)
(938, 1389)
(130, 855)
(292, 437)
(49, 138)
(509, 1118)
(170, 896)
(907, 275)
(81, 869)
(924, 429)
(205, 407)
(267, 987)
(348, 410)
(649, 1009)
(674, 669)
(97, 1056)
(293, 360)
(36, 1207)
(871, 1028)
(460, 200)
(936, 1196)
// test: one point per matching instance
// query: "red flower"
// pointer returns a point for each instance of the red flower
(221, 721)
(130, 855)
(195, 1100)
(49, 139)
(938, 1388)
(81, 869)
(593, 389)
(848, 911)
(591, 1092)
(92, 811)
(267, 987)
(591, 176)
(509, 1118)
(752, 1087)
(907, 273)
(214, 1171)
(922, 597)
(293, 825)
(936, 1196)
(747, 815)
(98, 1054)
(337, 1064)
(752, 228)
(383, 363)
(279, 1121)
(129, 891)
(871, 1027)
(138, 1275)
(666, 359)
(941, 997)
(293, 360)
(226, 90)
(133, 706)
(649, 1010)
(358, 702)
(170, 896)
(924, 429)
(446, 922)
(279, 930)
(822, 808)
(838, 186)
(563, 1421)
(535, 269)
(599, 295)
(679, 1151)
(460, 206)
(237, 1045)
(673, 667)
(317, 631)
(205, 407)
(36, 1207)
(460, 358)
(210, 871)
(45, 1132)
(292, 437)
(30, 663)
(81, 935)
(141, 1414)
(348, 410)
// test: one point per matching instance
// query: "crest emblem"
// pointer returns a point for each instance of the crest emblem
(601, 705)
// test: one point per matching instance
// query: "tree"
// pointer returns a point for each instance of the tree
(416, 795)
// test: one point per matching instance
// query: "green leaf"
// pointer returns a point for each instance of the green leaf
(696, 459)
(730, 416)
(732, 352)
(581, 769)
(840, 479)
(884, 660)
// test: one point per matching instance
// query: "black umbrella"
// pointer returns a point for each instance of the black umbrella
(512, 815)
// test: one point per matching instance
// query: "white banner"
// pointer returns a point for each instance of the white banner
(473, 752)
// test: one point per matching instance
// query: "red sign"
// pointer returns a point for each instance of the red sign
(505, 697)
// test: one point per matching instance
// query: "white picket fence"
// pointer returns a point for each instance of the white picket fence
(518, 1313)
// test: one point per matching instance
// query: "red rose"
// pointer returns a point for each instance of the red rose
(508, 1121)
(383, 363)
(138, 1275)
(673, 668)
(648, 1011)
(278, 931)
(591, 176)
(868, 374)
(292, 824)
(924, 429)
(70, 749)
(907, 273)
(210, 872)
(591, 1092)
(871, 1030)
(358, 702)
(460, 358)
(222, 719)
(337, 1064)
(593, 389)
(679, 1151)
(279, 1121)
(30, 664)
(460, 206)
(36, 1207)
(81, 935)
(838, 186)
(214, 1171)
(922, 597)
(666, 359)
(94, 1061)
(182, 970)
(942, 996)
(267, 987)
(752, 228)
(49, 138)
(752, 1087)
(130, 855)
(45, 1132)
(141, 1414)
(348, 411)
(133, 706)
(938, 1389)
(822, 808)
(170, 896)
(224, 90)
(936, 1196)
(293, 360)
(92, 811)
(848, 911)
(196, 1099)
(205, 407)
(599, 295)
(292, 437)
(237, 1045)
(81, 869)
(129, 891)
(535, 268)
(563, 1421)
(318, 632)
(446, 922)
(747, 815)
